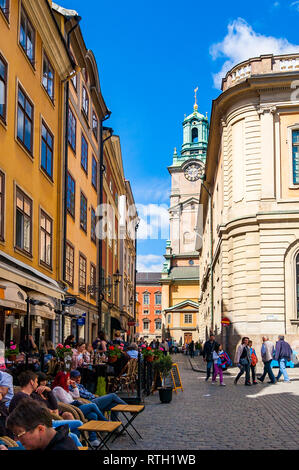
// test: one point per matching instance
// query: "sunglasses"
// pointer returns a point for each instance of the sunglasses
(21, 434)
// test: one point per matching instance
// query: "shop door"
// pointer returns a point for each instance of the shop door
(187, 338)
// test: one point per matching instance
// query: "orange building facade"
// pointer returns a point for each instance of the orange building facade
(149, 312)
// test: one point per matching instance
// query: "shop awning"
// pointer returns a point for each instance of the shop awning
(12, 296)
(44, 311)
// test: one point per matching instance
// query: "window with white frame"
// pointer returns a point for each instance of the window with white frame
(188, 318)
(145, 312)
(146, 299)
(158, 324)
(158, 297)
(146, 325)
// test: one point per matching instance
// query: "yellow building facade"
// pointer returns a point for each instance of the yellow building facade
(34, 64)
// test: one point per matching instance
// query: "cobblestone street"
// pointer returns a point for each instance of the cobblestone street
(206, 416)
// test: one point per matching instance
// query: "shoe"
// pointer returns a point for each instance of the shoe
(235, 382)
(207, 379)
(272, 383)
(287, 382)
(213, 383)
(248, 383)
(254, 383)
(222, 385)
(95, 443)
(261, 380)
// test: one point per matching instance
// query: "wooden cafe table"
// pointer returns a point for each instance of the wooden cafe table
(99, 427)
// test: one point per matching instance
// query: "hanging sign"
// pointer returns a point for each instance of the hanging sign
(225, 321)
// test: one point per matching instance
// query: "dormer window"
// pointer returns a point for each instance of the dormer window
(194, 134)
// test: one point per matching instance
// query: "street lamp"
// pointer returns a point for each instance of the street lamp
(203, 178)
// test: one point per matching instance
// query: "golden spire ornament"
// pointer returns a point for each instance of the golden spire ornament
(195, 104)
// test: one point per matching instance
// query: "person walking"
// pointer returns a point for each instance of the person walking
(283, 354)
(208, 349)
(243, 360)
(254, 361)
(217, 365)
(267, 356)
(191, 349)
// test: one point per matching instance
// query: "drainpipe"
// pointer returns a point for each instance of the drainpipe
(211, 257)
(100, 247)
(66, 136)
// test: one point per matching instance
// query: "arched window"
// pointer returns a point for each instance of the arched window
(194, 134)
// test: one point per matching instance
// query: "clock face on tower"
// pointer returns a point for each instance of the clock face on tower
(193, 172)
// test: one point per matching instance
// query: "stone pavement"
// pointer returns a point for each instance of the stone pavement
(206, 416)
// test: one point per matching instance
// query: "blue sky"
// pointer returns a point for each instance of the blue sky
(152, 54)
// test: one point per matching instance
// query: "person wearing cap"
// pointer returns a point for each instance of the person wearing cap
(104, 403)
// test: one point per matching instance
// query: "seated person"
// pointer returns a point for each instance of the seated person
(31, 424)
(132, 351)
(3, 415)
(121, 362)
(44, 393)
(104, 403)
(62, 392)
(78, 357)
(6, 380)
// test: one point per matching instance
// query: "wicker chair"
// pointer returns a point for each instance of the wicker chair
(8, 441)
(129, 378)
(76, 412)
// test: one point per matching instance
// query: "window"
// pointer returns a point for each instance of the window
(3, 88)
(169, 319)
(146, 325)
(158, 324)
(2, 204)
(295, 154)
(85, 102)
(46, 239)
(188, 318)
(82, 273)
(23, 222)
(70, 196)
(83, 212)
(93, 274)
(95, 125)
(93, 225)
(84, 154)
(194, 134)
(158, 299)
(25, 121)
(94, 172)
(146, 299)
(48, 77)
(145, 312)
(47, 151)
(74, 81)
(27, 36)
(69, 264)
(158, 312)
(4, 5)
(72, 130)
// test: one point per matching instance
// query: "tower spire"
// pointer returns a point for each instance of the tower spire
(195, 104)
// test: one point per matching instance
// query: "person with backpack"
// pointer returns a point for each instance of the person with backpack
(208, 349)
(225, 359)
(254, 361)
(217, 365)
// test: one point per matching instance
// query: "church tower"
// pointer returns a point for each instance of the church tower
(180, 275)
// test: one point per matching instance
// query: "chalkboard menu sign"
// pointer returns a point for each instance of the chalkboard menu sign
(176, 377)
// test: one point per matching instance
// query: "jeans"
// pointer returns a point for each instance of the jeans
(282, 369)
(268, 370)
(92, 412)
(244, 368)
(209, 366)
(107, 402)
(217, 370)
(253, 369)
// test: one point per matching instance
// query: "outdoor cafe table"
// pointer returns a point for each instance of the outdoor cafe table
(99, 427)
(89, 377)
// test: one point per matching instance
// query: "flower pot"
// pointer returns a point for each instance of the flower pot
(12, 357)
(112, 359)
(149, 358)
(165, 394)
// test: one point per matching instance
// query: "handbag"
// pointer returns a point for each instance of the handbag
(244, 361)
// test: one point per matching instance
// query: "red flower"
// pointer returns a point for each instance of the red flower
(111, 348)
(148, 349)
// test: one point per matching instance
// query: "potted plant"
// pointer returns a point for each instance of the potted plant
(163, 366)
(61, 350)
(148, 354)
(113, 354)
(12, 352)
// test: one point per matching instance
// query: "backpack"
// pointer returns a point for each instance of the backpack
(254, 359)
(225, 360)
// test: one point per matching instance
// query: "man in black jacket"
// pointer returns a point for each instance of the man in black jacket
(31, 424)
(208, 349)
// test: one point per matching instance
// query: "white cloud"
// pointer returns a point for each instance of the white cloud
(241, 43)
(295, 5)
(150, 263)
(154, 222)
